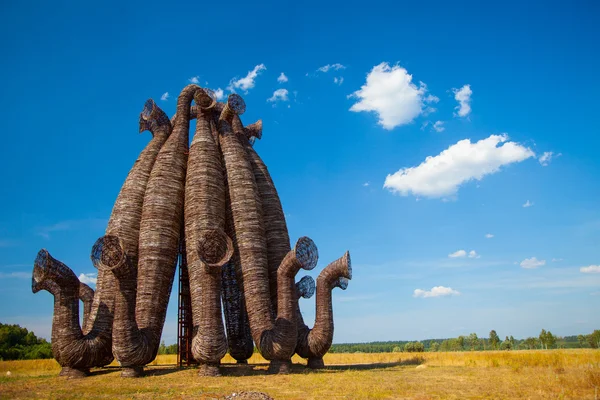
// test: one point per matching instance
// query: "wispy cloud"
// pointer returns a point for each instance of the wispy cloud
(165, 96)
(7, 243)
(473, 254)
(528, 204)
(246, 83)
(441, 175)
(436, 291)
(463, 96)
(334, 67)
(556, 259)
(439, 126)
(219, 94)
(390, 93)
(458, 254)
(338, 81)
(531, 263)
(282, 78)
(69, 225)
(20, 275)
(366, 184)
(279, 95)
(547, 157)
(89, 279)
(195, 79)
(592, 269)
(489, 235)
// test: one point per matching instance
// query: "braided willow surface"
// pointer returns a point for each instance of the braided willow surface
(73, 350)
(208, 247)
(86, 295)
(276, 232)
(314, 343)
(160, 226)
(219, 199)
(127, 211)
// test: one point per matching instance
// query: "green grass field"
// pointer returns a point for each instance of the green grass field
(551, 374)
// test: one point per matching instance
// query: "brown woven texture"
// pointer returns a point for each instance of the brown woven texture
(73, 350)
(239, 337)
(138, 329)
(208, 247)
(275, 339)
(314, 343)
(126, 215)
(86, 295)
(276, 232)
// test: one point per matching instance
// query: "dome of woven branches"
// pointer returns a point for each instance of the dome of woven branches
(209, 205)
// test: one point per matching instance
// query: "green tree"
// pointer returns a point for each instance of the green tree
(594, 339)
(531, 343)
(582, 340)
(506, 344)
(461, 342)
(434, 346)
(473, 340)
(494, 340)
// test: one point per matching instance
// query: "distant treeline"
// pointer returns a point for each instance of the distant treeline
(545, 340)
(18, 343)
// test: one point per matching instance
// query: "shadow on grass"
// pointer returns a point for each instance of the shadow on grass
(261, 369)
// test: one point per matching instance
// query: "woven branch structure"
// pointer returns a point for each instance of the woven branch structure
(215, 201)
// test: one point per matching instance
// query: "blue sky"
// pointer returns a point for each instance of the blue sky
(403, 132)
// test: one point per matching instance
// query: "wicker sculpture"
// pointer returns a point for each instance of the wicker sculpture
(75, 349)
(220, 194)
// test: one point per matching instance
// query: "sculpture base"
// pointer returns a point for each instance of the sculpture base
(209, 370)
(280, 367)
(316, 363)
(74, 372)
(132, 372)
(245, 362)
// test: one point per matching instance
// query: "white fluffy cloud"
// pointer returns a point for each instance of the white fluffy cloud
(527, 204)
(165, 96)
(334, 67)
(282, 78)
(390, 93)
(463, 96)
(219, 94)
(489, 235)
(441, 175)
(473, 254)
(279, 95)
(195, 79)
(439, 126)
(436, 291)
(592, 269)
(458, 254)
(463, 254)
(533, 262)
(88, 279)
(246, 83)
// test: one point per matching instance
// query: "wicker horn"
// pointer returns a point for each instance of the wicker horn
(276, 232)
(86, 295)
(208, 247)
(74, 351)
(239, 335)
(160, 226)
(125, 223)
(314, 343)
(250, 242)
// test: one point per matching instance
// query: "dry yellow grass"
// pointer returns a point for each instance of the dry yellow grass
(554, 374)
